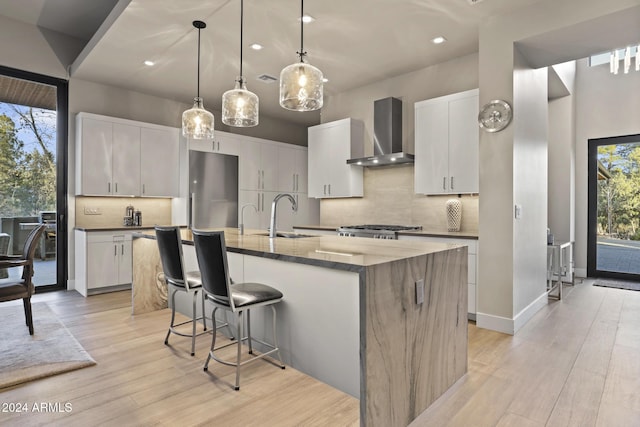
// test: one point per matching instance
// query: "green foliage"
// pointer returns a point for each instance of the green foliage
(619, 196)
(27, 176)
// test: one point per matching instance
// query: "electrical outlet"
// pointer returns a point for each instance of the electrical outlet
(420, 291)
(92, 211)
(518, 211)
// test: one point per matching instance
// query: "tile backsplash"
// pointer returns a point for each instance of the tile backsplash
(389, 199)
(111, 210)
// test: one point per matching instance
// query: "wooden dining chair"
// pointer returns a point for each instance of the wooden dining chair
(22, 288)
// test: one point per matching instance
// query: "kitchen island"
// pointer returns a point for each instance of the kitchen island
(384, 321)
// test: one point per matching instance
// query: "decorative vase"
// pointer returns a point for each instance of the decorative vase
(454, 214)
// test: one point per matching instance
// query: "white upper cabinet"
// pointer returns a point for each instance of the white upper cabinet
(446, 144)
(126, 160)
(223, 143)
(118, 157)
(159, 174)
(292, 169)
(259, 166)
(93, 156)
(330, 146)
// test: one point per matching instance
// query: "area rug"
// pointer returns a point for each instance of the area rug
(620, 284)
(51, 350)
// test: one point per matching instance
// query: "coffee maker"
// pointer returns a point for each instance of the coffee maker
(128, 216)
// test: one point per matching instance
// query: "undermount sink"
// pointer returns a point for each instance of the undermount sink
(287, 235)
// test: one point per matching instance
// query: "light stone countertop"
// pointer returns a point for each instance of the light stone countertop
(336, 252)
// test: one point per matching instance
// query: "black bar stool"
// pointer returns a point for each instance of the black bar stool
(237, 298)
(170, 246)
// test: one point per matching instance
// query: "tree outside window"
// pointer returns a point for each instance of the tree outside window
(27, 160)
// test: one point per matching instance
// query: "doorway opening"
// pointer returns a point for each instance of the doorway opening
(613, 241)
(33, 170)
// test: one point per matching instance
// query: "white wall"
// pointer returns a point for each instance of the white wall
(606, 105)
(529, 189)
(29, 48)
(561, 184)
(507, 287)
(448, 77)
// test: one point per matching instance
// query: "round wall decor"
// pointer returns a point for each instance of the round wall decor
(495, 115)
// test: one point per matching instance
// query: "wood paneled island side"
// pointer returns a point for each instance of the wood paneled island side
(350, 315)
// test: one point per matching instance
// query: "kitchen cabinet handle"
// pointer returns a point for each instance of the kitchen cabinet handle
(108, 187)
(297, 182)
(325, 189)
(116, 187)
(115, 250)
(143, 189)
(444, 182)
(218, 145)
(329, 189)
(122, 246)
(262, 202)
(452, 183)
(258, 179)
(293, 183)
(263, 185)
(258, 201)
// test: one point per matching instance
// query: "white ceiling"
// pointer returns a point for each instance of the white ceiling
(75, 18)
(354, 42)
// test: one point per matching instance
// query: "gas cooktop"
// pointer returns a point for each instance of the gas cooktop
(379, 227)
(376, 231)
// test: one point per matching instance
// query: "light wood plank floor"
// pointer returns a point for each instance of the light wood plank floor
(138, 381)
(576, 363)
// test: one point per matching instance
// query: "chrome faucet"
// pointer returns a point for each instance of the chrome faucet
(274, 204)
(241, 226)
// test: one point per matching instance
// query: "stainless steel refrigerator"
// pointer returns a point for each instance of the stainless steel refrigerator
(213, 190)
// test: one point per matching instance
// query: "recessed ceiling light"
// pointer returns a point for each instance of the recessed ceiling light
(438, 40)
(149, 63)
(307, 19)
(256, 46)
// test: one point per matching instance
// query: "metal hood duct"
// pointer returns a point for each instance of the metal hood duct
(387, 135)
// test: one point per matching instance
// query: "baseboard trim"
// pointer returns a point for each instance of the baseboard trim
(495, 323)
(511, 326)
(529, 311)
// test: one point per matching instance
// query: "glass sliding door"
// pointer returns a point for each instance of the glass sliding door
(614, 208)
(33, 134)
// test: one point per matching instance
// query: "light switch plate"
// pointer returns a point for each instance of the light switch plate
(92, 211)
(420, 291)
(518, 211)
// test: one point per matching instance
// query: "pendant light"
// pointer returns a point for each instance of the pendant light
(240, 106)
(301, 83)
(197, 123)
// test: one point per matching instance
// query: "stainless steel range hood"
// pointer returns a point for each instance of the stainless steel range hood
(387, 135)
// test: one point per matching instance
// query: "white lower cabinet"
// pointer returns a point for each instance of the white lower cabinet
(103, 260)
(472, 271)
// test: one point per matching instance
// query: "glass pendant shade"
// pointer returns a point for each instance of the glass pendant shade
(197, 123)
(301, 87)
(240, 106)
